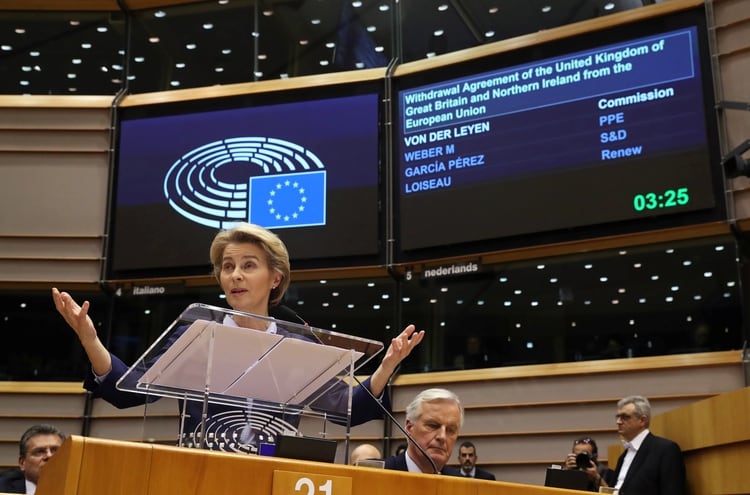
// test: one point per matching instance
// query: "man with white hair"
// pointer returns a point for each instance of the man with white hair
(433, 420)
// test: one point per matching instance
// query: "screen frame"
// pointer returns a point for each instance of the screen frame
(250, 95)
(616, 28)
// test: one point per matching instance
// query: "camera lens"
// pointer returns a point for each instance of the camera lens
(583, 460)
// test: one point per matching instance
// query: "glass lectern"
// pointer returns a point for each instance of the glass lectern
(243, 379)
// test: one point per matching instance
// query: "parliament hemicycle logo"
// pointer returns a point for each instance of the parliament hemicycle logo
(269, 182)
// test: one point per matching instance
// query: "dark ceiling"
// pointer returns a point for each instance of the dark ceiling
(231, 41)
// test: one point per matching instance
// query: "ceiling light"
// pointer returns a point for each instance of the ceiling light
(376, 306)
(406, 299)
(26, 68)
(507, 303)
(20, 30)
(24, 83)
(442, 7)
(131, 77)
(719, 248)
(731, 283)
(139, 59)
(430, 54)
(503, 279)
(102, 29)
(493, 10)
(480, 302)
(104, 68)
(385, 296)
(459, 301)
(433, 301)
(303, 42)
(603, 279)
(6, 48)
(208, 26)
(74, 23)
(615, 301)
(697, 297)
(258, 74)
(323, 63)
(85, 46)
(708, 274)
(180, 65)
(669, 299)
(323, 281)
(438, 32)
(191, 46)
(314, 22)
(174, 83)
(489, 34)
(443, 289)
(669, 251)
(534, 303)
(330, 44)
(335, 294)
(226, 51)
(540, 267)
(546, 8)
(654, 277)
(553, 280)
(219, 69)
(357, 4)
(350, 306)
(325, 304)
(72, 90)
(642, 300)
(674, 288)
(300, 303)
(517, 292)
(384, 7)
(371, 29)
(588, 266)
(268, 12)
(159, 14)
(76, 61)
(153, 39)
(71, 75)
(34, 54)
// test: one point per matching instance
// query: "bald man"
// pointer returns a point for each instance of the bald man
(364, 451)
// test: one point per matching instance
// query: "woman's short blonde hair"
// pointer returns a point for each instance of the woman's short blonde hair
(277, 255)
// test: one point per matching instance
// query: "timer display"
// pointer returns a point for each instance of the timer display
(670, 198)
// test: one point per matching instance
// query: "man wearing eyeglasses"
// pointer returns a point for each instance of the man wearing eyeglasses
(37, 445)
(650, 465)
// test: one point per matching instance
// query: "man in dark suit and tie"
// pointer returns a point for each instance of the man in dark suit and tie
(467, 456)
(37, 445)
(433, 420)
(650, 465)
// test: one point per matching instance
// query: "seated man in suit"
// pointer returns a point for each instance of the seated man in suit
(37, 445)
(467, 456)
(650, 465)
(433, 420)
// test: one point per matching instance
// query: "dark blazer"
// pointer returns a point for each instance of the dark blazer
(657, 469)
(13, 481)
(481, 474)
(225, 423)
(398, 463)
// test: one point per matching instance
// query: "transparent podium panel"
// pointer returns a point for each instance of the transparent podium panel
(242, 379)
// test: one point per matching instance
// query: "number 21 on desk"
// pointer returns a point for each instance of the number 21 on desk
(291, 483)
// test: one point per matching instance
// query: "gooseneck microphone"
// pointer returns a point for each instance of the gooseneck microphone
(403, 430)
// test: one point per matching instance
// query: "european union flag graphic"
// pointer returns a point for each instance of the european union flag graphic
(288, 200)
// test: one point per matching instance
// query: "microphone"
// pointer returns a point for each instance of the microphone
(403, 430)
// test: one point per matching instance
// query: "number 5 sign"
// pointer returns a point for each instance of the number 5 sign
(291, 483)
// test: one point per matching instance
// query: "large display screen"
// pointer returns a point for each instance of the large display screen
(608, 129)
(303, 163)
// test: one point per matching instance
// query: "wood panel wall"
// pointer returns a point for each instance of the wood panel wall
(521, 419)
